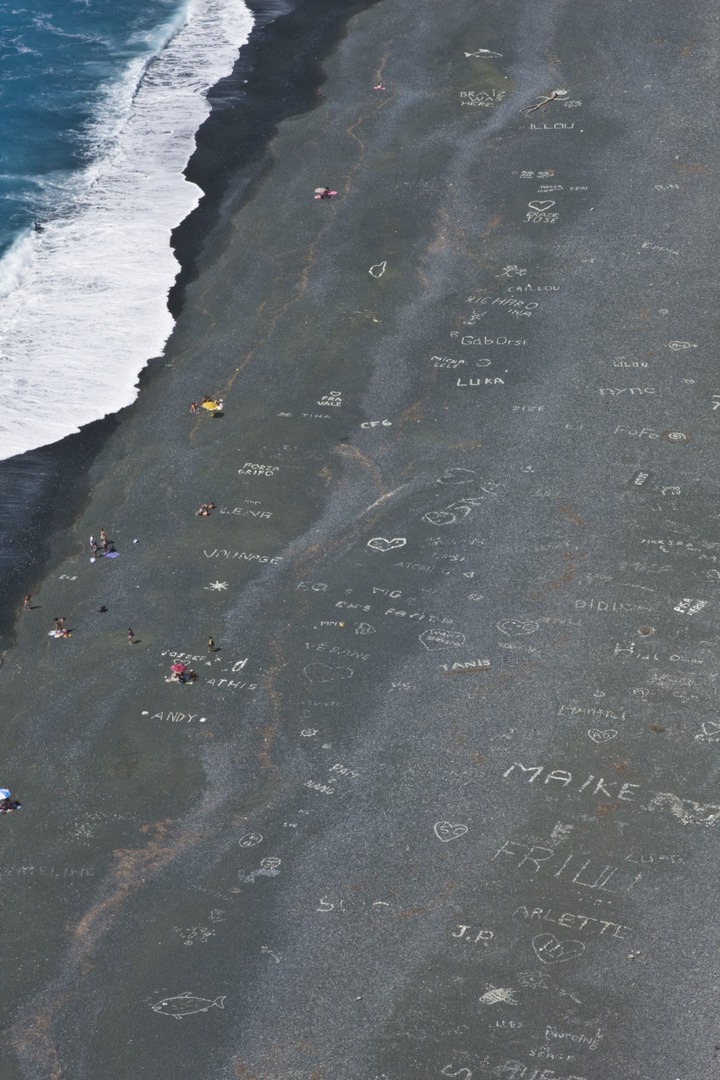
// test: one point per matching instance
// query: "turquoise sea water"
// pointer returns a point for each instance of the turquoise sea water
(99, 104)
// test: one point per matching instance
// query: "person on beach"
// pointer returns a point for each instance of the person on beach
(204, 510)
(26, 605)
(61, 622)
(194, 406)
(102, 608)
(7, 804)
(104, 539)
(325, 194)
(93, 545)
(57, 626)
(379, 87)
(130, 637)
(65, 632)
(211, 645)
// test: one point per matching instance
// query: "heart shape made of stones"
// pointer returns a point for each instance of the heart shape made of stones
(602, 736)
(710, 727)
(379, 543)
(324, 673)
(551, 951)
(541, 205)
(445, 830)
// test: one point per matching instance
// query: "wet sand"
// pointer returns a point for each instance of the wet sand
(443, 801)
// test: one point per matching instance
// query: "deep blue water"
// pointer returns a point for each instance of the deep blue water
(100, 103)
(59, 60)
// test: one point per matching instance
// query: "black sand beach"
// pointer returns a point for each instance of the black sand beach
(443, 799)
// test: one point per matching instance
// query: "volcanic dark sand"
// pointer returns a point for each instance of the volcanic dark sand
(468, 428)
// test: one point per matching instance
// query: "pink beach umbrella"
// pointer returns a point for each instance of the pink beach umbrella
(178, 667)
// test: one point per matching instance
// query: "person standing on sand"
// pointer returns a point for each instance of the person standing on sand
(26, 605)
(93, 545)
(130, 637)
(211, 645)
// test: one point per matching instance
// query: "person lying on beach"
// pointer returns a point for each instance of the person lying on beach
(8, 805)
(204, 510)
(325, 193)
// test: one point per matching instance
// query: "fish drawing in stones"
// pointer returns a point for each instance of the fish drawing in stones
(496, 994)
(185, 1004)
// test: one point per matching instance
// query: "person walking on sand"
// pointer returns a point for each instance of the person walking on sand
(211, 645)
(26, 605)
(130, 637)
(93, 545)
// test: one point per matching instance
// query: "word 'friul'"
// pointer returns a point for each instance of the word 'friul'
(543, 860)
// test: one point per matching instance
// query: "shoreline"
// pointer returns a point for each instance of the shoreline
(249, 101)
(329, 856)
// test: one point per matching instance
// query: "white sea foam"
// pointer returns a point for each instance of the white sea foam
(83, 300)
